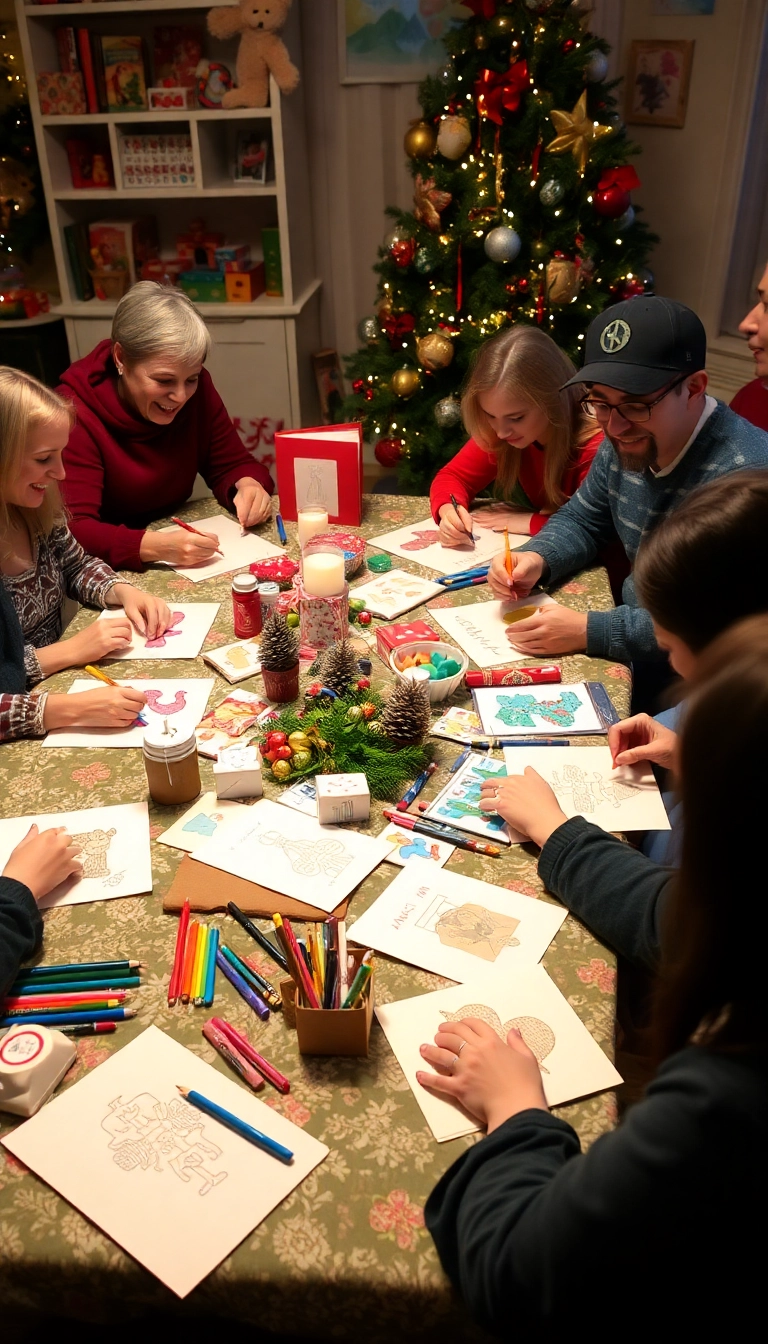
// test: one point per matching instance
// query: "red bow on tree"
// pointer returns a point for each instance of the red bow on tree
(625, 178)
(398, 327)
(482, 9)
(494, 91)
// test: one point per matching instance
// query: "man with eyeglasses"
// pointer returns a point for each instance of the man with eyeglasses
(646, 387)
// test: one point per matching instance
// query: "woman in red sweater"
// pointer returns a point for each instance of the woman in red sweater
(148, 420)
(530, 438)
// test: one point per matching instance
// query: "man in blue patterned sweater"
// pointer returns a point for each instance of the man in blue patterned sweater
(664, 437)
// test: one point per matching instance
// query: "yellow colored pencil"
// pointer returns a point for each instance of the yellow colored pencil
(99, 675)
(315, 960)
(197, 979)
(320, 948)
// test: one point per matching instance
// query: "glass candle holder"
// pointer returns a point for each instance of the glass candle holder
(322, 571)
(310, 522)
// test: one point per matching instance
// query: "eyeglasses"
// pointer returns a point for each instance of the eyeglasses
(636, 412)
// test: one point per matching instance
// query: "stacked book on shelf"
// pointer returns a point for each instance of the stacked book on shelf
(109, 73)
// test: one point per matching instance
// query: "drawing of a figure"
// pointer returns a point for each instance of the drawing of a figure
(310, 858)
(153, 1135)
(466, 803)
(587, 795)
(159, 642)
(314, 494)
(518, 711)
(473, 928)
(240, 659)
(421, 540)
(93, 851)
(415, 847)
(539, 1037)
(159, 706)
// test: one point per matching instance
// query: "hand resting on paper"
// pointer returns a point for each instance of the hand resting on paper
(454, 526)
(550, 630)
(490, 1078)
(252, 503)
(499, 516)
(148, 614)
(641, 738)
(43, 859)
(526, 802)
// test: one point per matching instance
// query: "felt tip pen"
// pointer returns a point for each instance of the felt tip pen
(531, 742)
(356, 989)
(240, 1041)
(234, 1122)
(89, 1029)
(436, 832)
(467, 583)
(457, 764)
(251, 997)
(235, 1060)
(467, 530)
(189, 528)
(418, 784)
(281, 532)
(257, 982)
(258, 937)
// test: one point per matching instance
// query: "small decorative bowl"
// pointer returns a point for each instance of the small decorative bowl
(278, 569)
(438, 690)
(348, 542)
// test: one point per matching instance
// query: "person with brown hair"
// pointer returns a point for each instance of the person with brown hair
(751, 400)
(530, 439)
(534, 1232)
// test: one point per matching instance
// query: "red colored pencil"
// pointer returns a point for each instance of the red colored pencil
(189, 528)
(304, 980)
(174, 988)
(189, 962)
(35, 1001)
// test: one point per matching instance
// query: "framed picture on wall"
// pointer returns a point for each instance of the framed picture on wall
(657, 82)
(393, 41)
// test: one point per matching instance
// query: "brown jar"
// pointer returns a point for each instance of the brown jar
(170, 760)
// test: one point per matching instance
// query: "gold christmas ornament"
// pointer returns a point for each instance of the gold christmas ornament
(419, 142)
(384, 309)
(576, 132)
(429, 202)
(405, 382)
(563, 280)
(453, 137)
(434, 351)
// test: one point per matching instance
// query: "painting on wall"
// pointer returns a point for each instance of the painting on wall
(657, 83)
(393, 41)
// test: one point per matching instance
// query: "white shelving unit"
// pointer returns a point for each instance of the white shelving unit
(261, 350)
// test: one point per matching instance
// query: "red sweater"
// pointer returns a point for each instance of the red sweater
(751, 402)
(473, 469)
(123, 471)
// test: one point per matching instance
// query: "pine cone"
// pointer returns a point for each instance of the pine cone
(407, 717)
(279, 645)
(339, 667)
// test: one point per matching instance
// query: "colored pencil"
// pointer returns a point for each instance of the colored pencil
(241, 1043)
(474, 573)
(509, 563)
(470, 534)
(72, 970)
(174, 988)
(302, 976)
(239, 1126)
(457, 764)
(200, 954)
(76, 986)
(342, 975)
(418, 784)
(90, 1029)
(189, 528)
(245, 967)
(532, 742)
(209, 987)
(102, 676)
(364, 972)
(436, 831)
(331, 974)
(233, 1057)
(45, 1009)
(189, 962)
(244, 990)
(468, 583)
(258, 937)
(281, 532)
(60, 1000)
(54, 1019)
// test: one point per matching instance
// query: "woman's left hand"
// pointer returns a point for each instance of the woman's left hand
(499, 516)
(490, 1078)
(252, 503)
(551, 630)
(150, 615)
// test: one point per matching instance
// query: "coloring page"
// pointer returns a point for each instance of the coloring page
(421, 542)
(410, 846)
(165, 698)
(190, 623)
(239, 551)
(164, 1180)
(294, 855)
(302, 797)
(207, 817)
(114, 851)
(571, 1062)
(456, 926)
(392, 594)
(530, 711)
(234, 720)
(317, 484)
(586, 784)
(458, 804)
(480, 628)
(236, 661)
(460, 725)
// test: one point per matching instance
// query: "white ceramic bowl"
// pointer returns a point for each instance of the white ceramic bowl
(438, 690)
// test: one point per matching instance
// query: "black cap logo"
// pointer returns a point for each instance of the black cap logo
(615, 336)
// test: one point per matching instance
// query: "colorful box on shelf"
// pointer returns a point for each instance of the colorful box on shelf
(198, 246)
(204, 286)
(166, 270)
(245, 286)
(61, 94)
(233, 257)
(90, 168)
(123, 245)
(270, 242)
(157, 160)
(389, 637)
(170, 100)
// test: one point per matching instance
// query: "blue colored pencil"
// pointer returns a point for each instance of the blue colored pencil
(448, 579)
(70, 1019)
(531, 742)
(457, 764)
(251, 997)
(210, 967)
(69, 970)
(73, 986)
(234, 1122)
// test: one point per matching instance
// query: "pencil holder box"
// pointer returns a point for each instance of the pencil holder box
(331, 1031)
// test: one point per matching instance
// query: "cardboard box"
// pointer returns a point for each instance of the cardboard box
(171, 99)
(237, 773)
(331, 1031)
(245, 286)
(389, 637)
(233, 257)
(61, 94)
(204, 286)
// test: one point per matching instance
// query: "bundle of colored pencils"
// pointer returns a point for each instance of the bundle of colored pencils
(319, 965)
(80, 998)
(193, 977)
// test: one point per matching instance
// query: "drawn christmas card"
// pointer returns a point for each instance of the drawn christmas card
(302, 797)
(459, 725)
(540, 711)
(114, 851)
(481, 629)
(235, 720)
(392, 594)
(239, 551)
(165, 699)
(623, 799)
(294, 854)
(207, 817)
(456, 926)
(410, 846)
(421, 542)
(571, 1062)
(458, 804)
(190, 623)
(236, 661)
(164, 1180)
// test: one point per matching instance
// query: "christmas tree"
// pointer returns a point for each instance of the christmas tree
(522, 213)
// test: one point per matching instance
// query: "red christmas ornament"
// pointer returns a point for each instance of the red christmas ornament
(357, 386)
(522, 285)
(611, 196)
(511, 288)
(497, 93)
(363, 684)
(369, 394)
(364, 618)
(482, 9)
(568, 45)
(397, 328)
(388, 452)
(402, 251)
(628, 289)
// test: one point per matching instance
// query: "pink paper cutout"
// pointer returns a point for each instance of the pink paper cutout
(155, 703)
(159, 642)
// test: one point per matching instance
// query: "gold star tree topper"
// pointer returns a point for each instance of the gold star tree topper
(577, 132)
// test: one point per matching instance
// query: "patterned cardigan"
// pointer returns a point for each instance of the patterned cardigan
(62, 568)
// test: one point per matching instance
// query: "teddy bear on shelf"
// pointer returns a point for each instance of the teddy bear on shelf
(261, 53)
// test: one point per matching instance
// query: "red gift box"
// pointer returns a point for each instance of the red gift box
(389, 637)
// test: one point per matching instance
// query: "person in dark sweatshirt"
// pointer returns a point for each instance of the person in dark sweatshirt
(39, 863)
(656, 1226)
(645, 385)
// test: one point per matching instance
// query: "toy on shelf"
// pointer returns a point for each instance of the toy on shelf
(261, 52)
(214, 80)
(198, 246)
(170, 98)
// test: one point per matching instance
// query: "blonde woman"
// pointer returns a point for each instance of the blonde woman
(148, 420)
(40, 563)
(530, 438)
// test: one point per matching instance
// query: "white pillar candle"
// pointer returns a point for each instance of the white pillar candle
(323, 574)
(310, 522)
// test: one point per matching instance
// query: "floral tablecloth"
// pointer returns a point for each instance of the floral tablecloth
(348, 1251)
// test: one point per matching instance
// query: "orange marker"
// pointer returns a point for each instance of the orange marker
(509, 562)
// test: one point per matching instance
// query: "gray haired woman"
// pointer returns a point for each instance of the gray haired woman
(148, 420)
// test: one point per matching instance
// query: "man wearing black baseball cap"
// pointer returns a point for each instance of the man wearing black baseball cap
(645, 384)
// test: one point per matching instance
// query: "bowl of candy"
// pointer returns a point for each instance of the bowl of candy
(441, 667)
(352, 546)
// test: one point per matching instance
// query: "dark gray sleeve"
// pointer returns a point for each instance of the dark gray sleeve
(21, 928)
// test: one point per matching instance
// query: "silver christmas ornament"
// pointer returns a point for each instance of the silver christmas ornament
(447, 74)
(368, 330)
(502, 244)
(552, 192)
(626, 220)
(448, 412)
(596, 68)
(648, 279)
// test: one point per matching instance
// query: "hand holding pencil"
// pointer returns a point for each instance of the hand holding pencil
(455, 525)
(510, 584)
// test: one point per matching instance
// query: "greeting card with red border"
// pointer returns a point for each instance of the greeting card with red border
(321, 468)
